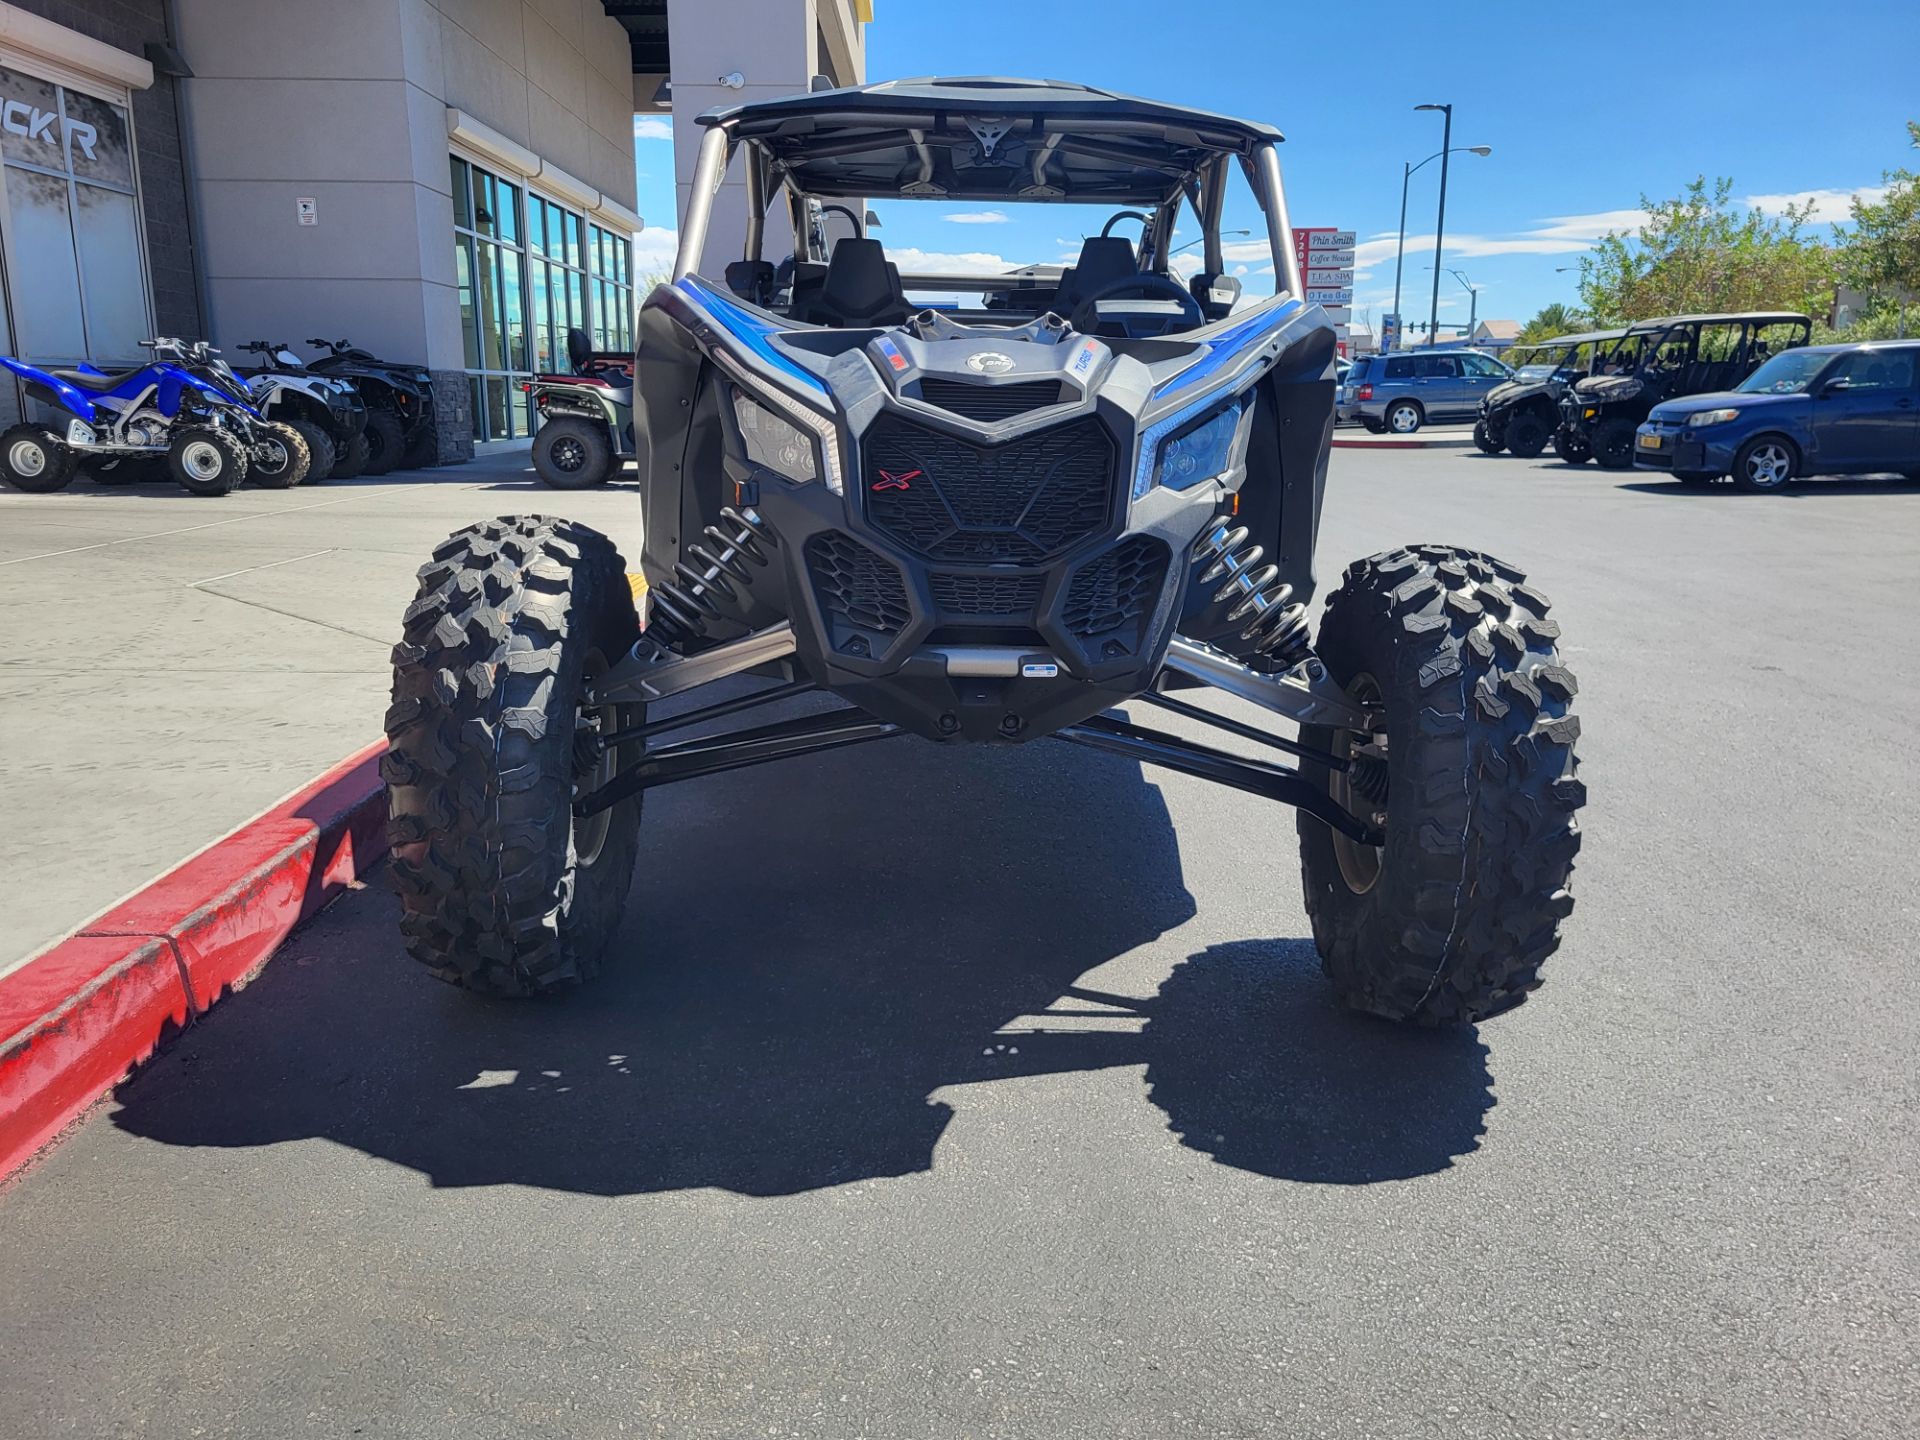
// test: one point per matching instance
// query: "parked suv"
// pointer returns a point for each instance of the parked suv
(1400, 393)
(1665, 359)
(1820, 410)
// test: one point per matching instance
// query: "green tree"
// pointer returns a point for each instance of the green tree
(1699, 252)
(1881, 253)
(1554, 319)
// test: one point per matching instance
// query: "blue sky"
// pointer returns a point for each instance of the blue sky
(1584, 111)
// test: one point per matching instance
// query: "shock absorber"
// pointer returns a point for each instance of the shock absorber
(1277, 628)
(713, 575)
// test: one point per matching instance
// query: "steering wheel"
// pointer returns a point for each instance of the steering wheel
(1086, 318)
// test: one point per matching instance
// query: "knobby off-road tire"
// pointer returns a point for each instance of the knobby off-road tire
(502, 891)
(1572, 446)
(206, 460)
(1527, 436)
(1480, 792)
(33, 459)
(1489, 441)
(293, 463)
(386, 442)
(1613, 444)
(320, 454)
(572, 454)
(350, 457)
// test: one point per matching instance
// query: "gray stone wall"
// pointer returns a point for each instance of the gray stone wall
(453, 416)
(128, 25)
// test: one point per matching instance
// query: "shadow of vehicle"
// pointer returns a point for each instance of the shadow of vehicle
(809, 955)
(1814, 485)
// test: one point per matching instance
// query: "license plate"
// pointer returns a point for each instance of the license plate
(1650, 442)
(79, 433)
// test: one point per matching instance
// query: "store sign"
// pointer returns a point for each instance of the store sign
(1317, 279)
(19, 118)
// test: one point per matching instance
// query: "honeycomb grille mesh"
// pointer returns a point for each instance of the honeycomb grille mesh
(857, 585)
(1116, 590)
(986, 594)
(948, 498)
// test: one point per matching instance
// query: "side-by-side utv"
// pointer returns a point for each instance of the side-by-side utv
(1521, 415)
(1665, 359)
(1044, 518)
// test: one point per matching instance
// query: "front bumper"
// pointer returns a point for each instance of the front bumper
(1659, 445)
(988, 651)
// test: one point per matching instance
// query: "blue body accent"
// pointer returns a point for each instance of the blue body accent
(170, 383)
(1226, 347)
(752, 330)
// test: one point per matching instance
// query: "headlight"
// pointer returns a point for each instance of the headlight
(1183, 451)
(774, 440)
(1712, 417)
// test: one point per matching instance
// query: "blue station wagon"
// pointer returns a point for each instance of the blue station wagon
(1817, 410)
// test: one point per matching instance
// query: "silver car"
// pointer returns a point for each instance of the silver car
(1400, 393)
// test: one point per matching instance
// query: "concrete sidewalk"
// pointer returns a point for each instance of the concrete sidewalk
(174, 665)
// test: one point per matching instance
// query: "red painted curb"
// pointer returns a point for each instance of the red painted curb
(1401, 444)
(76, 1017)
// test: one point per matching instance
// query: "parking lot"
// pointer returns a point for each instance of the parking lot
(1034, 1122)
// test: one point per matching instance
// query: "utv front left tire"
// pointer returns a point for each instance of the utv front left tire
(503, 890)
(1474, 785)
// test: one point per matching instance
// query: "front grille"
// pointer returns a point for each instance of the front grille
(952, 499)
(985, 594)
(989, 402)
(857, 585)
(1116, 591)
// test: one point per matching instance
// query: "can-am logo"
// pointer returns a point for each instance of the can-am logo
(19, 118)
(989, 362)
(890, 481)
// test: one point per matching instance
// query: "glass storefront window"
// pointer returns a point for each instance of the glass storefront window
(74, 262)
(528, 270)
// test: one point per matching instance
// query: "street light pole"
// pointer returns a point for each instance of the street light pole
(1406, 174)
(1440, 221)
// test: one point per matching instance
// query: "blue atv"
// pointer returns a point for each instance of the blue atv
(156, 410)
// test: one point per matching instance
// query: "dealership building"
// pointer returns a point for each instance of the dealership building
(443, 181)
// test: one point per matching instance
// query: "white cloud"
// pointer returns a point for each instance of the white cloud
(1830, 206)
(652, 127)
(653, 251)
(976, 217)
(950, 262)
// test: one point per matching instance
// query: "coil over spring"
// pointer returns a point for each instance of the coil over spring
(681, 608)
(1277, 628)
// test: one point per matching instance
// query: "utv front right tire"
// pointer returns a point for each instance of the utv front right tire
(503, 890)
(1449, 921)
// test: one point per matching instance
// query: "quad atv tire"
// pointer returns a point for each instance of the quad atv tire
(1613, 444)
(33, 459)
(205, 460)
(350, 459)
(1489, 441)
(1527, 436)
(1572, 446)
(386, 442)
(503, 890)
(572, 454)
(320, 456)
(1449, 921)
(279, 459)
(423, 451)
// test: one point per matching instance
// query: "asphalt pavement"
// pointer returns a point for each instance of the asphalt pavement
(960, 1093)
